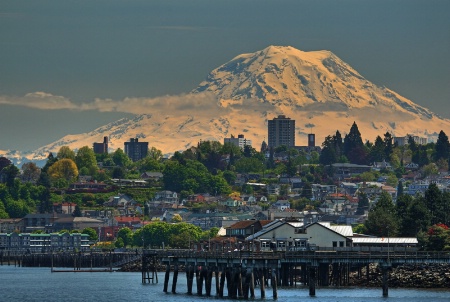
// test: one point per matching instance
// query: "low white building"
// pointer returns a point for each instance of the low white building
(287, 235)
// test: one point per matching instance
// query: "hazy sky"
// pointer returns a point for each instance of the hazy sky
(57, 55)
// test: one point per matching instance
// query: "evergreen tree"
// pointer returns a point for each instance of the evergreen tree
(45, 204)
(363, 204)
(77, 212)
(4, 162)
(414, 218)
(338, 145)
(435, 203)
(388, 146)
(328, 154)
(400, 189)
(377, 153)
(354, 148)
(382, 219)
(412, 144)
(442, 147)
(307, 191)
(352, 140)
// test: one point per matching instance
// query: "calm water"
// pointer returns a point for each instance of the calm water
(39, 284)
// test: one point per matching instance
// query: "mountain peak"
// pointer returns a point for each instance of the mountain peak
(286, 76)
(316, 88)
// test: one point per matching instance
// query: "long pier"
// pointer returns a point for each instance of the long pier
(242, 271)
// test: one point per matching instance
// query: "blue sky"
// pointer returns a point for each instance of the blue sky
(68, 53)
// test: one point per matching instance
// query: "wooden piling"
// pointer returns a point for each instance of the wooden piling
(189, 279)
(274, 285)
(252, 284)
(312, 281)
(175, 279)
(230, 283)
(222, 282)
(208, 280)
(262, 284)
(239, 283)
(385, 272)
(246, 286)
(216, 279)
(200, 282)
(166, 278)
(197, 280)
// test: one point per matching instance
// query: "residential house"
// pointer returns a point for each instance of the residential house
(294, 182)
(121, 201)
(348, 188)
(166, 197)
(42, 222)
(390, 190)
(411, 166)
(418, 188)
(344, 170)
(249, 199)
(319, 191)
(232, 202)
(281, 205)
(88, 187)
(377, 166)
(10, 225)
(75, 223)
(245, 228)
(127, 221)
(153, 176)
(273, 189)
(64, 208)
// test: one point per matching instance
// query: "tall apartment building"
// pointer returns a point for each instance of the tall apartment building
(100, 148)
(135, 149)
(239, 141)
(281, 132)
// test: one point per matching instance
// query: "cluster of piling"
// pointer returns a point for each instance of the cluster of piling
(239, 282)
(238, 278)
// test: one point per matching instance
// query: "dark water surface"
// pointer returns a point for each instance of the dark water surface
(39, 284)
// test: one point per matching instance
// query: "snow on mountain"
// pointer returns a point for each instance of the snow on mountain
(317, 89)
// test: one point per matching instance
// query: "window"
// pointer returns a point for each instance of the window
(265, 244)
(281, 244)
(300, 231)
(334, 243)
(341, 243)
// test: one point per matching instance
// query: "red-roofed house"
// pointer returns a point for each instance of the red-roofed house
(245, 228)
(127, 221)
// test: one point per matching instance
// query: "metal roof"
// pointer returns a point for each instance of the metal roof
(344, 230)
(385, 240)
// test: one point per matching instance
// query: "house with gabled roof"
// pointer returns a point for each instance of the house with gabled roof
(152, 176)
(244, 228)
(166, 196)
(127, 221)
(119, 201)
(288, 235)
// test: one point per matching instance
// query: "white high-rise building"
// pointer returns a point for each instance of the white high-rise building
(239, 141)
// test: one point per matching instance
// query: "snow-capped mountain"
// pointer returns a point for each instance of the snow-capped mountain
(317, 89)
